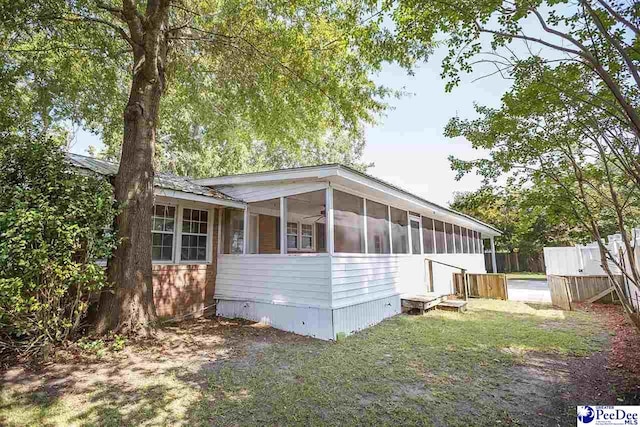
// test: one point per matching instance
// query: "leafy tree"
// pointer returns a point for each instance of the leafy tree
(52, 233)
(600, 37)
(163, 79)
(575, 150)
(571, 119)
(530, 218)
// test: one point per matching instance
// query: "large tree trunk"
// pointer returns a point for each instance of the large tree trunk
(129, 307)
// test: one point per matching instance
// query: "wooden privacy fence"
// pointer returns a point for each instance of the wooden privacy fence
(566, 290)
(481, 285)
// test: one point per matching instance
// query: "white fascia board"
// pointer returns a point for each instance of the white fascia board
(461, 219)
(316, 172)
(197, 198)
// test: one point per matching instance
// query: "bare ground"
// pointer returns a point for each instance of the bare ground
(440, 369)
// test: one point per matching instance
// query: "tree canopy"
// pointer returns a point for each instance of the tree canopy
(249, 85)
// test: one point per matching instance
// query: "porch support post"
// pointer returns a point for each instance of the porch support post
(283, 225)
(245, 241)
(220, 236)
(493, 256)
(364, 228)
(390, 236)
(329, 231)
(410, 252)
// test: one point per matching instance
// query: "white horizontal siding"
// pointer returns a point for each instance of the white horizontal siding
(276, 279)
(362, 278)
(442, 275)
(258, 192)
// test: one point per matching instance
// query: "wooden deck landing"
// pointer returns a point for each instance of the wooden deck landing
(421, 302)
(452, 305)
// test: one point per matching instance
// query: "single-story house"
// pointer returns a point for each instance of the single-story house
(319, 251)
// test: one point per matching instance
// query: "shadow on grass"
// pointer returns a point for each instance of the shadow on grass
(443, 368)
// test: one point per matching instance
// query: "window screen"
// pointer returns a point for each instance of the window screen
(440, 239)
(377, 228)
(415, 237)
(427, 236)
(465, 240)
(458, 235)
(399, 231)
(348, 214)
(449, 233)
(233, 231)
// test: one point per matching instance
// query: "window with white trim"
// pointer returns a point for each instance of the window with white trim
(162, 232)
(306, 240)
(292, 235)
(195, 223)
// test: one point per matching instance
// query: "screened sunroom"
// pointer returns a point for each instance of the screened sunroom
(327, 250)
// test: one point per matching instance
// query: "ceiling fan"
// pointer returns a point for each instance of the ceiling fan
(323, 212)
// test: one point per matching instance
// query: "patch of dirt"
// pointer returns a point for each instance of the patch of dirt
(183, 349)
(623, 358)
(553, 385)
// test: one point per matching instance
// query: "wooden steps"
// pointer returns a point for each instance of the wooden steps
(421, 303)
(453, 305)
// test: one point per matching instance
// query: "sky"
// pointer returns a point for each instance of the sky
(407, 146)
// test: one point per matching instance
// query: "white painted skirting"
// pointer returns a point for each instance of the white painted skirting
(354, 318)
(310, 321)
(319, 323)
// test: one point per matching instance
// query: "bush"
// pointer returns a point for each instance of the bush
(53, 229)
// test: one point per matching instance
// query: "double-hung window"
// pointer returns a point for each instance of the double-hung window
(292, 235)
(162, 232)
(195, 223)
(299, 236)
(306, 241)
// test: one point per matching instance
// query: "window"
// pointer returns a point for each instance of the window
(427, 236)
(306, 239)
(399, 231)
(292, 235)
(479, 242)
(377, 228)
(465, 240)
(458, 236)
(448, 228)
(163, 228)
(440, 240)
(415, 236)
(194, 235)
(348, 217)
(472, 242)
(233, 231)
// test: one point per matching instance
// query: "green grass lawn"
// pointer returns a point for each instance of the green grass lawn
(443, 368)
(527, 276)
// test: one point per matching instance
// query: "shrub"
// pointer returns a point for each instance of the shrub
(53, 229)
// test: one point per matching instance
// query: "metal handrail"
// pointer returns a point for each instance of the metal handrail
(445, 264)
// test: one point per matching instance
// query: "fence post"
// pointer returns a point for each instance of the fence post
(465, 284)
(430, 276)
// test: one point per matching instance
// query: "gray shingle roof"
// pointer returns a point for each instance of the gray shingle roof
(162, 179)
